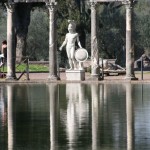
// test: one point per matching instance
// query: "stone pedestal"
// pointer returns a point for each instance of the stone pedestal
(75, 75)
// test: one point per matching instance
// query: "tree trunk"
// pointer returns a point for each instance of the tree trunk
(22, 22)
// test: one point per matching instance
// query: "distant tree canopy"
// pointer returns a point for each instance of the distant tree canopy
(3, 22)
(111, 28)
(142, 27)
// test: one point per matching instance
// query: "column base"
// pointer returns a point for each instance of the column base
(11, 78)
(53, 78)
(130, 78)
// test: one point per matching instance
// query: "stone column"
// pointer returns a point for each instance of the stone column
(11, 51)
(129, 45)
(52, 42)
(95, 70)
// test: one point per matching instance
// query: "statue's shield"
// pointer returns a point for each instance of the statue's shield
(81, 55)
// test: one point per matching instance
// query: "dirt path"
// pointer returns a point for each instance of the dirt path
(44, 76)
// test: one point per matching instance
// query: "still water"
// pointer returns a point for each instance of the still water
(75, 116)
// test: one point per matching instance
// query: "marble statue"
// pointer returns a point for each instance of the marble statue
(146, 61)
(109, 66)
(70, 39)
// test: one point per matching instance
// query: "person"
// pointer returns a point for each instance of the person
(70, 41)
(3, 52)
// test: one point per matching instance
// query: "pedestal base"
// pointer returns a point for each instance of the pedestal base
(76, 75)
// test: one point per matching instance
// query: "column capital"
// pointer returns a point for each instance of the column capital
(51, 5)
(10, 7)
(92, 3)
(129, 3)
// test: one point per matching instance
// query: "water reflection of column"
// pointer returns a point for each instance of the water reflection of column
(95, 114)
(10, 117)
(3, 108)
(71, 123)
(101, 94)
(53, 96)
(82, 104)
(130, 117)
(106, 91)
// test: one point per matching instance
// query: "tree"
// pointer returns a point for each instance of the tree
(142, 24)
(22, 22)
(38, 35)
(110, 22)
(3, 22)
(111, 31)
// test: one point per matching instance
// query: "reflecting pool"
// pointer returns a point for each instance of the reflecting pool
(75, 116)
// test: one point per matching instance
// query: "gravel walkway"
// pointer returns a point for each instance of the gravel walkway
(43, 77)
(120, 78)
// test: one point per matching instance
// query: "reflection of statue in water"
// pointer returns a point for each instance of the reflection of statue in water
(69, 41)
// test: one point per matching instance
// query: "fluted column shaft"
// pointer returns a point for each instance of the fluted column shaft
(129, 43)
(52, 42)
(95, 70)
(11, 51)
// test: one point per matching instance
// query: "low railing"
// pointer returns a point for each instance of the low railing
(26, 61)
(26, 70)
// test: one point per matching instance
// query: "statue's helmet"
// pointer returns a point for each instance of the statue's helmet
(72, 25)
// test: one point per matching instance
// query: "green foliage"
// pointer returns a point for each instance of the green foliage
(3, 26)
(66, 10)
(111, 28)
(38, 68)
(142, 25)
(38, 35)
(32, 68)
(111, 32)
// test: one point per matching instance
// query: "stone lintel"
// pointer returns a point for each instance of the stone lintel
(75, 75)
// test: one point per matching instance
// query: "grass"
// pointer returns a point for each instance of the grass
(44, 68)
(32, 68)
